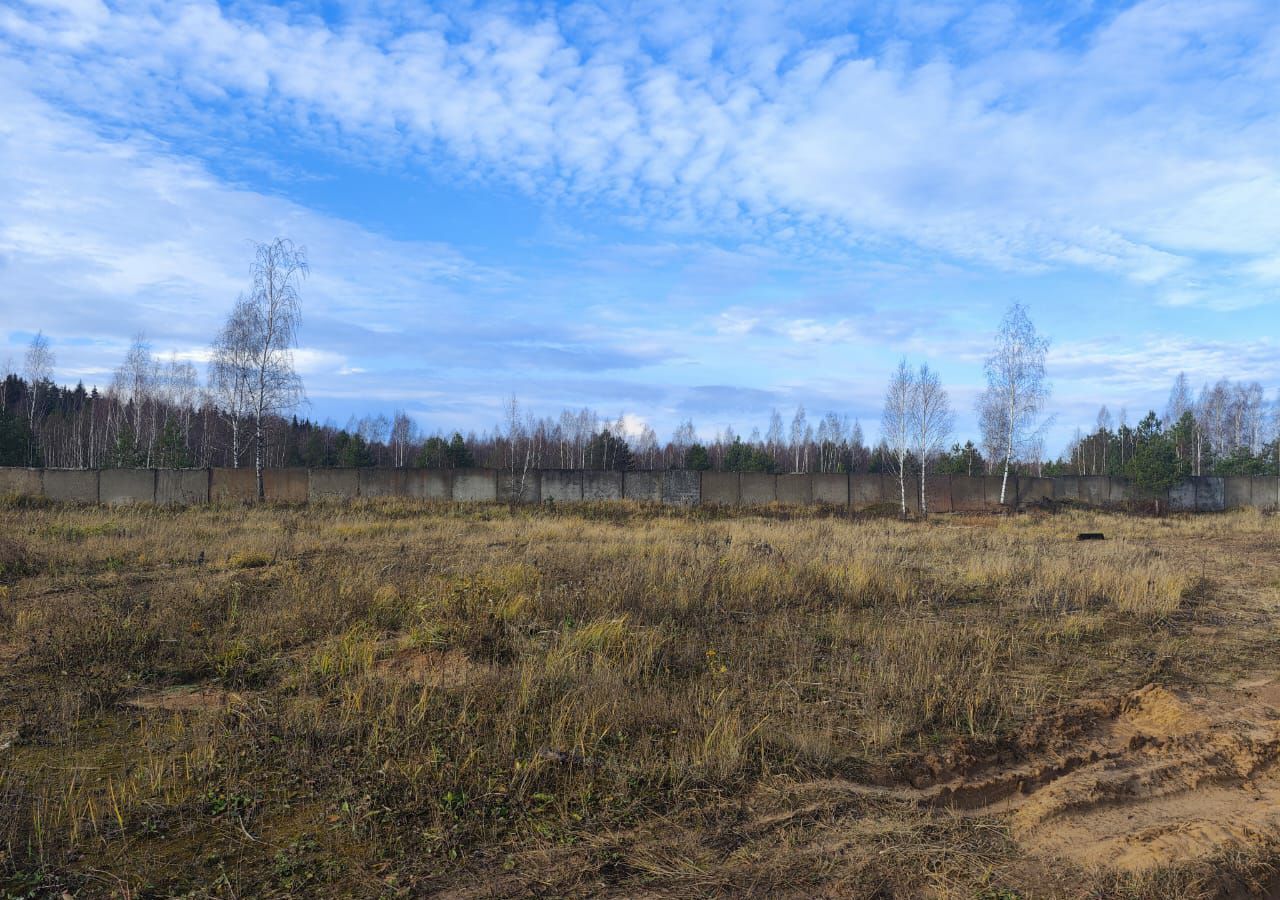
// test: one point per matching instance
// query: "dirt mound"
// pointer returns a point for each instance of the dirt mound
(1157, 778)
(183, 698)
(444, 669)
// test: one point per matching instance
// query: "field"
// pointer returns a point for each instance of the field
(392, 699)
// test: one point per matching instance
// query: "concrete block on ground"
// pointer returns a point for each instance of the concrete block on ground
(681, 487)
(1066, 487)
(182, 487)
(381, 482)
(427, 484)
(1237, 492)
(758, 488)
(1182, 496)
(1032, 490)
(126, 486)
(520, 487)
(1265, 493)
(71, 485)
(1211, 494)
(795, 489)
(598, 485)
(869, 490)
(294, 485)
(561, 486)
(937, 493)
(329, 484)
(720, 489)
(832, 488)
(968, 493)
(20, 483)
(643, 486)
(1095, 490)
(232, 485)
(475, 485)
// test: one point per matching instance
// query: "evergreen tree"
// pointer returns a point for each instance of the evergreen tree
(608, 451)
(171, 452)
(696, 458)
(459, 454)
(742, 457)
(126, 453)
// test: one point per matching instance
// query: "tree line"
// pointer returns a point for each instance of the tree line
(157, 412)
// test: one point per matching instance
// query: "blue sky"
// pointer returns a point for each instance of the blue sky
(668, 210)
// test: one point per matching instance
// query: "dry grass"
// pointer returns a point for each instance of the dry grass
(397, 698)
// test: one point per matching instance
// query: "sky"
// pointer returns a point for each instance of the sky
(669, 210)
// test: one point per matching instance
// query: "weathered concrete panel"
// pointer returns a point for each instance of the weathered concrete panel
(1182, 496)
(475, 485)
(644, 486)
(1095, 490)
(992, 490)
(182, 487)
(427, 484)
(330, 484)
(720, 489)
(71, 485)
(293, 485)
(832, 488)
(795, 489)
(681, 487)
(20, 483)
(520, 487)
(1211, 494)
(892, 487)
(561, 486)
(968, 493)
(1121, 492)
(601, 485)
(381, 482)
(232, 485)
(125, 486)
(758, 488)
(869, 490)
(1066, 487)
(937, 493)
(1238, 492)
(1032, 490)
(1266, 492)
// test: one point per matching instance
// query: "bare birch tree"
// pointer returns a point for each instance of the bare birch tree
(930, 423)
(38, 369)
(230, 368)
(1016, 389)
(895, 424)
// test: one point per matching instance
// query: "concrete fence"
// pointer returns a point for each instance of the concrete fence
(679, 487)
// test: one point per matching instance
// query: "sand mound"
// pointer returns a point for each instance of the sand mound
(183, 698)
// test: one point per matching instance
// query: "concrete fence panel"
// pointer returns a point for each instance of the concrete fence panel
(1121, 492)
(475, 485)
(1095, 490)
(992, 485)
(1237, 492)
(937, 493)
(71, 485)
(1182, 496)
(1211, 494)
(795, 490)
(428, 484)
(333, 484)
(831, 488)
(232, 485)
(758, 488)
(869, 490)
(520, 487)
(1066, 487)
(381, 483)
(127, 486)
(1266, 492)
(601, 485)
(561, 486)
(968, 493)
(913, 495)
(1032, 490)
(720, 489)
(20, 483)
(294, 485)
(182, 487)
(643, 486)
(681, 487)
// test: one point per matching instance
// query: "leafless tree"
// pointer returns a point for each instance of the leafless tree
(230, 371)
(1017, 389)
(930, 422)
(895, 424)
(797, 436)
(403, 434)
(38, 369)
